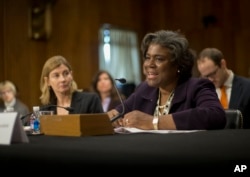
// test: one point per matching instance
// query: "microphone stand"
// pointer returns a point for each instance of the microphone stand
(122, 80)
(50, 106)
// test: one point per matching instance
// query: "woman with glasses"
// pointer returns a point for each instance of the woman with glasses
(10, 102)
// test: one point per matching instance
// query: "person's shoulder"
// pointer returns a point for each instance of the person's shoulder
(242, 79)
(144, 88)
(241, 82)
(2, 106)
(197, 80)
(2, 103)
(20, 103)
(143, 85)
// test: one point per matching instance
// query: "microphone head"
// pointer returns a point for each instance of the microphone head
(70, 109)
(121, 80)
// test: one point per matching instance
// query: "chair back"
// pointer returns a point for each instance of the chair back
(234, 119)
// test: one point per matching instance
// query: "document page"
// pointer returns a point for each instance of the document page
(128, 130)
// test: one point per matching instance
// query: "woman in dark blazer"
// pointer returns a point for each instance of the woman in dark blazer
(170, 98)
(59, 90)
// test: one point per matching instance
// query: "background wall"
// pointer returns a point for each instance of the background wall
(74, 33)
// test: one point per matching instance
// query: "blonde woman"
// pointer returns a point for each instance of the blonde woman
(59, 88)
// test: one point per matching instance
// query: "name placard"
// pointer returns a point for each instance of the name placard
(11, 129)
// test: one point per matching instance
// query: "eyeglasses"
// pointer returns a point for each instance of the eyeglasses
(5, 92)
(212, 74)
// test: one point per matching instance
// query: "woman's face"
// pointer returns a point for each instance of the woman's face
(60, 79)
(157, 67)
(104, 84)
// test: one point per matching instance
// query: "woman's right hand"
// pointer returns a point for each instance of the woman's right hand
(112, 113)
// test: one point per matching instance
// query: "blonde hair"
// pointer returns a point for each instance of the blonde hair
(8, 85)
(48, 95)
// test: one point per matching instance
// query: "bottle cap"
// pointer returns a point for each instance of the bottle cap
(36, 108)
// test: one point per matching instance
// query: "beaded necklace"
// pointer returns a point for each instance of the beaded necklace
(165, 107)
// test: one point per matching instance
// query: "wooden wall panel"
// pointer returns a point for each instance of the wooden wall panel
(2, 40)
(242, 62)
(17, 65)
(75, 25)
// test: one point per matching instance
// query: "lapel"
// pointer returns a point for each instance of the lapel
(75, 102)
(235, 93)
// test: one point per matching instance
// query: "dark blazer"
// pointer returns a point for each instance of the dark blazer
(195, 104)
(240, 98)
(84, 102)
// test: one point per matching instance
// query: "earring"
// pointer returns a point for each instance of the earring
(178, 71)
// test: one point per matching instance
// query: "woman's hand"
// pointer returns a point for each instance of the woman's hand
(112, 113)
(138, 119)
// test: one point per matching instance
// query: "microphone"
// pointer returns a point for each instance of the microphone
(123, 81)
(46, 107)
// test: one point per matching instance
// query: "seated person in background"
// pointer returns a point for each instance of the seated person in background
(103, 85)
(10, 102)
(59, 88)
(212, 65)
(170, 98)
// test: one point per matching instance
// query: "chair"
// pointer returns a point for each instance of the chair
(234, 119)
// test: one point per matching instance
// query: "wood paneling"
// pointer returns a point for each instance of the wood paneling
(75, 25)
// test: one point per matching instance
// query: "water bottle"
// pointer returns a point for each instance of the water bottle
(36, 126)
(32, 118)
(35, 121)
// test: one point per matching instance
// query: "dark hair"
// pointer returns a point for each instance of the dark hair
(178, 45)
(212, 53)
(95, 81)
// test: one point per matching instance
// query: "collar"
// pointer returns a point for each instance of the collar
(10, 104)
(229, 81)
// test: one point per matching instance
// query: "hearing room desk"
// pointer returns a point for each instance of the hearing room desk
(212, 151)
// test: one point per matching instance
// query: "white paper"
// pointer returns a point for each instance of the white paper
(128, 130)
(11, 129)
